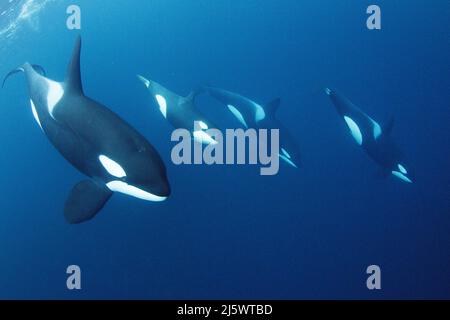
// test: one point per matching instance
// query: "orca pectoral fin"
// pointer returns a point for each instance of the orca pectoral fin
(272, 107)
(389, 126)
(39, 69)
(86, 199)
(381, 174)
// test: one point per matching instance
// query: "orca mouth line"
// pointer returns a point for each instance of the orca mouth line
(288, 161)
(125, 188)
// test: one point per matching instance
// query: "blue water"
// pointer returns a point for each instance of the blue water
(226, 231)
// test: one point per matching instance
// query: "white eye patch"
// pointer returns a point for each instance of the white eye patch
(112, 167)
(354, 129)
(162, 104)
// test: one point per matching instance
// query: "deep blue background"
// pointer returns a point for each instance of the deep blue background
(227, 232)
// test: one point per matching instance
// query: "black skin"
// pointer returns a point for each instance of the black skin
(180, 111)
(248, 111)
(382, 149)
(81, 129)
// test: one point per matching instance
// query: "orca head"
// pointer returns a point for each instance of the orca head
(164, 98)
(402, 172)
(140, 174)
(340, 102)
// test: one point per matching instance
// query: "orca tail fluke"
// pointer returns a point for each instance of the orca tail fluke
(86, 199)
(35, 67)
(13, 72)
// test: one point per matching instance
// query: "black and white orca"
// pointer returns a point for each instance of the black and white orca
(253, 115)
(372, 137)
(95, 141)
(180, 111)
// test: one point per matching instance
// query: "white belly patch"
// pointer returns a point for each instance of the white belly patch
(55, 92)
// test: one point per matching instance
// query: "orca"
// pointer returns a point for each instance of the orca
(96, 141)
(180, 111)
(375, 139)
(253, 115)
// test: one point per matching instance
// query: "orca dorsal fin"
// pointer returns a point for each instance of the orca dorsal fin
(186, 101)
(196, 92)
(191, 96)
(388, 126)
(73, 76)
(272, 106)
